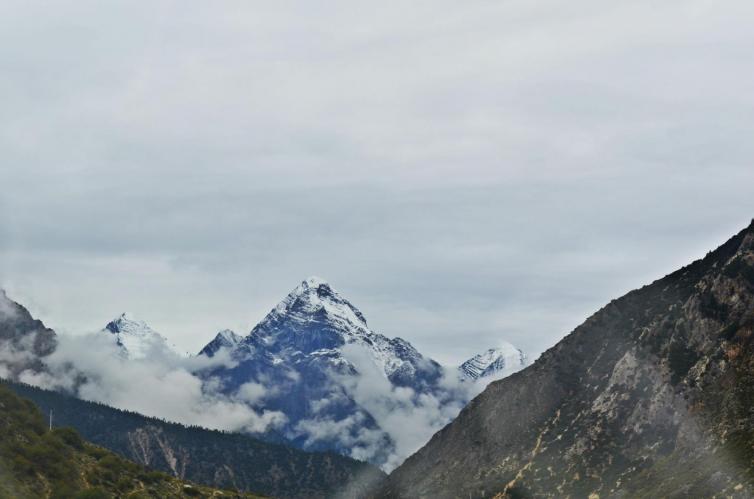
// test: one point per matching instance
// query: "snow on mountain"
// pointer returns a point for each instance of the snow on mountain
(316, 318)
(224, 339)
(342, 386)
(497, 362)
(137, 339)
(307, 358)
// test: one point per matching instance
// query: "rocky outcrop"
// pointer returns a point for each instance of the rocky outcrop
(23, 339)
(649, 397)
(149, 445)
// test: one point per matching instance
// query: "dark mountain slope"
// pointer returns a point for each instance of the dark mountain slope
(225, 460)
(23, 339)
(38, 463)
(650, 397)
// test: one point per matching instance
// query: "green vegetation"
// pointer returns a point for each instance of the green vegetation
(213, 458)
(59, 464)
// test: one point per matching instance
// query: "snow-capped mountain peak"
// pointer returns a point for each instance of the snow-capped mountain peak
(315, 298)
(315, 319)
(127, 324)
(224, 339)
(320, 363)
(136, 338)
(229, 336)
(498, 362)
(315, 281)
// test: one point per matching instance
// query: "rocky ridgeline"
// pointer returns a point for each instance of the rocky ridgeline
(649, 397)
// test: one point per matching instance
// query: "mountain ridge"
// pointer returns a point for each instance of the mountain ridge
(646, 398)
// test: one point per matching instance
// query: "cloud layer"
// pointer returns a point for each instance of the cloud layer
(165, 385)
(162, 385)
(404, 417)
(464, 172)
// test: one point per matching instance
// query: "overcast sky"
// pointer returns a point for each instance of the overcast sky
(463, 172)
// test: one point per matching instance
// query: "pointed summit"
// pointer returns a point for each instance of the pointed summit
(315, 282)
(314, 299)
(224, 339)
(314, 319)
(136, 338)
(126, 322)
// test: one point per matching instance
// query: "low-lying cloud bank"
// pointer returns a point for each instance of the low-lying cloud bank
(163, 385)
(406, 417)
(169, 386)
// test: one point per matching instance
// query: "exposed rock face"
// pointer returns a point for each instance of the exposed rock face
(650, 397)
(150, 446)
(23, 339)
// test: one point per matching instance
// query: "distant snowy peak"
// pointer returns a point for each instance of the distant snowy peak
(315, 321)
(228, 337)
(497, 362)
(224, 339)
(137, 339)
(315, 298)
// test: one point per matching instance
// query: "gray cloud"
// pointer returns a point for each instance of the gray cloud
(463, 173)
(402, 415)
(163, 385)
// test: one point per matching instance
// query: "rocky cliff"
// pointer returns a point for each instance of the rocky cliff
(649, 397)
(24, 341)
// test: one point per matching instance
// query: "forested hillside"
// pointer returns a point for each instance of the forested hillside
(214, 458)
(36, 462)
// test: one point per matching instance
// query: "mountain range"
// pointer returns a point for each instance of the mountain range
(315, 360)
(214, 458)
(338, 385)
(650, 397)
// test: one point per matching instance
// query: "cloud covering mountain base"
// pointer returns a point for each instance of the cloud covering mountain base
(311, 373)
